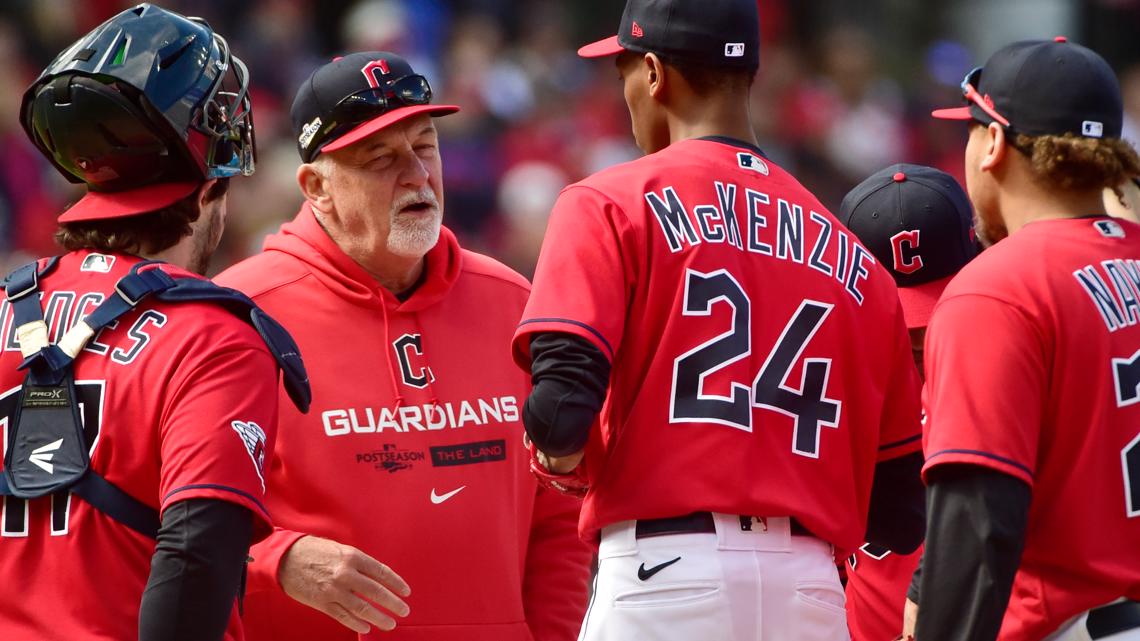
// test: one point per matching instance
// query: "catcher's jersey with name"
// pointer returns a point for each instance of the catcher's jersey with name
(179, 401)
(1033, 369)
(760, 361)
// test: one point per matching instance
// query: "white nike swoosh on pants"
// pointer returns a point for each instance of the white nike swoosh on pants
(440, 498)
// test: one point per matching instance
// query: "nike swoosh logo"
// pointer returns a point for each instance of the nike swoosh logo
(440, 498)
(645, 575)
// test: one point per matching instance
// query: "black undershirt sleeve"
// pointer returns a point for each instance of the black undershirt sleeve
(975, 534)
(897, 515)
(196, 571)
(570, 377)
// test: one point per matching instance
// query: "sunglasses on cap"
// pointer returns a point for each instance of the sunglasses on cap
(971, 94)
(358, 108)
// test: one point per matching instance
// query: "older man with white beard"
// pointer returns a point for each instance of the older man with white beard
(412, 452)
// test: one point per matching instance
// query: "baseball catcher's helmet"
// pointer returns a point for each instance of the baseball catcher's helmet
(147, 97)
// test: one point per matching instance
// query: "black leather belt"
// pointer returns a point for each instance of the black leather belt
(697, 523)
(1112, 619)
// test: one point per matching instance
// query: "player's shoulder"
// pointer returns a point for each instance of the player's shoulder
(263, 273)
(491, 273)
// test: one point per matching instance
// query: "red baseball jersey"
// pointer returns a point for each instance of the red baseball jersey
(1033, 369)
(412, 451)
(760, 361)
(179, 401)
(877, 582)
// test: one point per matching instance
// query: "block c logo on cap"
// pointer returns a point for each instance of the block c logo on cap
(734, 50)
(1092, 129)
(369, 71)
(905, 248)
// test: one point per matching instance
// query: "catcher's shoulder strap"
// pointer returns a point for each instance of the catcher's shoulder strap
(47, 413)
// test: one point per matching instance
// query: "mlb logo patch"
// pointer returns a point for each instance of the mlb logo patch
(752, 162)
(1109, 228)
(101, 263)
(1092, 129)
(734, 50)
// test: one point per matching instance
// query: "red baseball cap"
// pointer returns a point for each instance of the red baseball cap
(355, 96)
(99, 205)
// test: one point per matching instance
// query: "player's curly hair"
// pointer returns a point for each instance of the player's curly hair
(147, 233)
(1074, 162)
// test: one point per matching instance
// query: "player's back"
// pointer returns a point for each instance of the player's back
(152, 395)
(1074, 287)
(754, 350)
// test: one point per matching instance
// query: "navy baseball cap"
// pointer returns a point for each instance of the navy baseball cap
(1041, 88)
(720, 33)
(918, 223)
(355, 96)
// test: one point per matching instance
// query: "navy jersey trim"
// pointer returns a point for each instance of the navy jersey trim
(576, 324)
(734, 142)
(905, 441)
(214, 486)
(995, 457)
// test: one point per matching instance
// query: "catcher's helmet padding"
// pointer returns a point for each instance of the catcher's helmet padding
(147, 97)
(104, 138)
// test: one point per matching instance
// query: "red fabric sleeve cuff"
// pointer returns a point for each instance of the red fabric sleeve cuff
(266, 558)
(977, 457)
(520, 345)
(262, 525)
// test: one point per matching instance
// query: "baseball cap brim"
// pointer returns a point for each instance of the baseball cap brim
(392, 117)
(954, 113)
(918, 302)
(600, 49)
(98, 205)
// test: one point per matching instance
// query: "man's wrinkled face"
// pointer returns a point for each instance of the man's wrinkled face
(388, 188)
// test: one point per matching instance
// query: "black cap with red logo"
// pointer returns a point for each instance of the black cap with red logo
(1044, 87)
(355, 96)
(917, 221)
(716, 33)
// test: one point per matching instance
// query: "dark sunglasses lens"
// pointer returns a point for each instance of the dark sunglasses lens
(411, 90)
(361, 106)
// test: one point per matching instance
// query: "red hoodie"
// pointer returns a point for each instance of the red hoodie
(412, 451)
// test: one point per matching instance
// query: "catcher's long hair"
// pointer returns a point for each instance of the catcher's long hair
(1077, 163)
(148, 233)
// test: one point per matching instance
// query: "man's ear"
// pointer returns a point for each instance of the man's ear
(997, 146)
(204, 191)
(655, 70)
(314, 186)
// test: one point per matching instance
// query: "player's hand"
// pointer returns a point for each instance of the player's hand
(910, 616)
(560, 473)
(344, 583)
(560, 464)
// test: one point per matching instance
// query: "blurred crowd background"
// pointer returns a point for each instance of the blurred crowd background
(845, 88)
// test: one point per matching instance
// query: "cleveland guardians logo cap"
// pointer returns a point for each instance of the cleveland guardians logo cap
(917, 221)
(1044, 87)
(718, 33)
(355, 96)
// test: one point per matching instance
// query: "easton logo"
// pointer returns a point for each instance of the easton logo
(41, 456)
(410, 347)
(253, 437)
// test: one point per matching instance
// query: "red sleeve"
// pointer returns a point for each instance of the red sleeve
(557, 569)
(584, 275)
(265, 558)
(900, 432)
(986, 386)
(218, 431)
